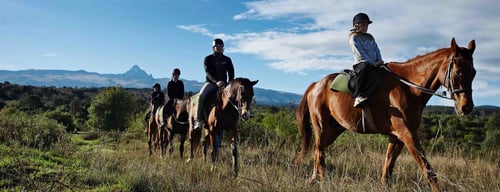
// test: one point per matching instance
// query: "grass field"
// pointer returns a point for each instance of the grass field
(119, 162)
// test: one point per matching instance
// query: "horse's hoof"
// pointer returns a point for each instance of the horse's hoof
(212, 168)
(188, 160)
(310, 180)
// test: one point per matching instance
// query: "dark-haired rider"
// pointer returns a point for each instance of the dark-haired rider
(175, 91)
(157, 99)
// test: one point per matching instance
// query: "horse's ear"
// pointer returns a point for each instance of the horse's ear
(254, 82)
(472, 46)
(454, 46)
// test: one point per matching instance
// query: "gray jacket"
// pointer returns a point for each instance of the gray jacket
(364, 48)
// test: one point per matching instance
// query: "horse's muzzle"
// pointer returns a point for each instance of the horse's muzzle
(464, 109)
(245, 116)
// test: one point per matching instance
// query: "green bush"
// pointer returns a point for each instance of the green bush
(36, 131)
(112, 109)
(63, 118)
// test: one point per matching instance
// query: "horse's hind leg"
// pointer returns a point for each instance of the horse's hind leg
(325, 134)
(393, 151)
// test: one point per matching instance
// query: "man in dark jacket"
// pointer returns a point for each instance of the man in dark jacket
(218, 69)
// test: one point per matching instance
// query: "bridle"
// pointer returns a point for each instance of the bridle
(448, 82)
(238, 105)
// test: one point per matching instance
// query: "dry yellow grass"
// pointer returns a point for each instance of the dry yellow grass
(350, 167)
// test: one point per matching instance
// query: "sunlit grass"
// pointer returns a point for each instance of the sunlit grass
(354, 163)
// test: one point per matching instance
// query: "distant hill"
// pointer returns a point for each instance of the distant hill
(135, 77)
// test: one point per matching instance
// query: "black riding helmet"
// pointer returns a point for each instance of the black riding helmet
(361, 18)
(218, 42)
(157, 85)
(176, 71)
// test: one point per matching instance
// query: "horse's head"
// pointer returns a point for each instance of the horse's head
(241, 95)
(459, 75)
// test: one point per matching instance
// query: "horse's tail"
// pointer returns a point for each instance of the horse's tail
(303, 119)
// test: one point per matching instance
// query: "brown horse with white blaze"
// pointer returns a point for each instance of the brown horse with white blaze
(396, 107)
(232, 104)
(178, 123)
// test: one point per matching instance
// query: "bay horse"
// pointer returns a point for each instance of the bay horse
(177, 123)
(232, 103)
(396, 107)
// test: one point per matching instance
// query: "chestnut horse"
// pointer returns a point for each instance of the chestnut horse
(177, 123)
(396, 107)
(232, 103)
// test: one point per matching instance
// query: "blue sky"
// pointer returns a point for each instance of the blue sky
(285, 44)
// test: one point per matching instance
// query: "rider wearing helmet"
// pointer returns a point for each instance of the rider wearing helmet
(175, 90)
(366, 57)
(218, 69)
(157, 99)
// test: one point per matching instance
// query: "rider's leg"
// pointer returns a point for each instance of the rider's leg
(205, 92)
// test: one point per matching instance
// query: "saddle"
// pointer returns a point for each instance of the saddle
(345, 81)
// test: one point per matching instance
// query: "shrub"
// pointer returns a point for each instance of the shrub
(112, 109)
(36, 131)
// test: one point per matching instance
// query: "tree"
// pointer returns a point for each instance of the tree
(112, 109)
(492, 133)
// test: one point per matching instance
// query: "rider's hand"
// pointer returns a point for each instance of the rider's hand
(220, 83)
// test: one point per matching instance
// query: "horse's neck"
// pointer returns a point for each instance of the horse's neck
(228, 96)
(424, 71)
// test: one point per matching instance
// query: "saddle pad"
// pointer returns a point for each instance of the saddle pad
(340, 83)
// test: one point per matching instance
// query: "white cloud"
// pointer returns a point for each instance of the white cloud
(402, 29)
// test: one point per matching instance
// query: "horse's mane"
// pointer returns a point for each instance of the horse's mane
(426, 56)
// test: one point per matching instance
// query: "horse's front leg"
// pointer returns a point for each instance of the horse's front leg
(393, 151)
(170, 142)
(163, 140)
(415, 149)
(150, 142)
(181, 144)
(234, 149)
(194, 141)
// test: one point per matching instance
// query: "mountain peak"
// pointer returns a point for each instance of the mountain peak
(135, 71)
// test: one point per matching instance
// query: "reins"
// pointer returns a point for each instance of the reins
(237, 106)
(448, 80)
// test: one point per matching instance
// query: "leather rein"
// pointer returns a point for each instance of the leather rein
(448, 81)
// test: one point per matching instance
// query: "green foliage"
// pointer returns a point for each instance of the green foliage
(31, 103)
(112, 109)
(492, 127)
(38, 131)
(25, 169)
(63, 118)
